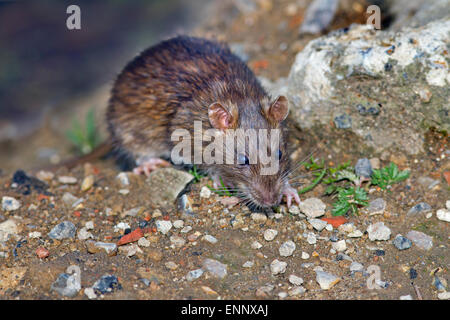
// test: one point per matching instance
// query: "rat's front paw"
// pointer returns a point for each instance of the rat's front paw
(290, 194)
(150, 165)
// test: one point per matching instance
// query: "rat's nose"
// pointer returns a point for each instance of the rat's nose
(268, 199)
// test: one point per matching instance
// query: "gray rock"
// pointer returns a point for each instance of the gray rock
(65, 229)
(422, 207)
(287, 248)
(318, 224)
(336, 73)
(8, 229)
(216, 268)
(270, 234)
(312, 207)
(10, 204)
(194, 274)
(66, 285)
(163, 226)
(164, 185)
(420, 239)
(443, 214)
(356, 267)
(363, 168)
(376, 206)
(401, 243)
(326, 280)
(343, 121)
(107, 284)
(378, 231)
(297, 281)
(277, 267)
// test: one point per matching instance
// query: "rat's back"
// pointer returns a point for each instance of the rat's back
(172, 84)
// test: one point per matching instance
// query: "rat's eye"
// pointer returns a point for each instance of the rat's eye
(280, 154)
(243, 160)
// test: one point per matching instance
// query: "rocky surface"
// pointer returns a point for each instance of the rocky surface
(380, 85)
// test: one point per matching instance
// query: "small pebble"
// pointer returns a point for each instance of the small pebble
(318, 224)
(66, 285)
(163, 226)
(210, 239)
(178, 224)
(256, 245)
(297, 281)
(171, 265)
(363, 168)
(205, 192)
(270, 234)
(305, 255)
(67, 180)
(216, 268)
(143, 242)
(123, 179)
(378, 232)
(287, 248)
(277, 267)
(106, 284)
(401, 243)
(326, 280)
(65, 229)
(90, 293)
(258, 217)
(248, 264)
(356, 267)
(355, 234)
(443, 214)
(87, 183)
(10, 204)
(422, 207)
(407, 297)
(42, 253)
(313, 207)
(376, 206)
(339, 246)
(420, 239)
(194, 274)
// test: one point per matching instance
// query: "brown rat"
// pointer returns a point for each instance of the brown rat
(185, 79)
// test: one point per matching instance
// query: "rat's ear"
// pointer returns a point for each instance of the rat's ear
(220, 117)
(278, 110)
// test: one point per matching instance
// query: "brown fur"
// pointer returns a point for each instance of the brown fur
(171, 85)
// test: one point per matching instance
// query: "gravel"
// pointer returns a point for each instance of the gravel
(312, 207)
(64, 230)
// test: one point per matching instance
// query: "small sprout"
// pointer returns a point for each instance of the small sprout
(223, 191)
(87, 138)
(197, 175)
(387, 176)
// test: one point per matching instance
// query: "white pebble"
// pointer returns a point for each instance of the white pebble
(205, 192)
(287, 248)
(270, 234)
(277, 267)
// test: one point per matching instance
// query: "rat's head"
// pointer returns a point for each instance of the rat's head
(260, 163)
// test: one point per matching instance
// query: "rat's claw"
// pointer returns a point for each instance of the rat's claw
(290, 194)
(150, 165)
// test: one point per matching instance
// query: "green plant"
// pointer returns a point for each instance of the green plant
(222, 191)
(387, 176)
(197, 175)
(349, 199)
(345, 185)
(86, 138)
